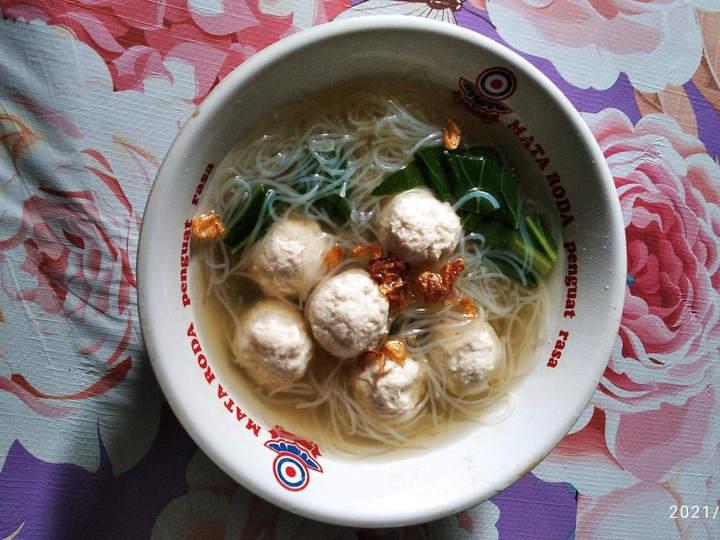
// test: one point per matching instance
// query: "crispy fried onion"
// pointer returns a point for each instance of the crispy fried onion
(389, 273)
(451, 135)
(208, 226)
(467, 307)
(333, 256)
(440, 287)
(393, 350)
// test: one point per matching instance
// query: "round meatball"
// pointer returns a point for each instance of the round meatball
(287, 260)
(391, 390)
(471, 355)
(348, 314)
(418, 228)
(273, 344)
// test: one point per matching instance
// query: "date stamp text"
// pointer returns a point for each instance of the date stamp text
(694, 511)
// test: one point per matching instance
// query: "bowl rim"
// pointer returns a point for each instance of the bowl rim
(215, 102)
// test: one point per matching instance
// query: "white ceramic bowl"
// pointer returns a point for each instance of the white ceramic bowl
(391, 490)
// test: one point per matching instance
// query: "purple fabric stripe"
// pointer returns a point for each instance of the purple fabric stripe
(533, 508)
(58, 501)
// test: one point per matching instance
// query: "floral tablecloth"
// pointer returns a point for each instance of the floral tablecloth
(92, 92)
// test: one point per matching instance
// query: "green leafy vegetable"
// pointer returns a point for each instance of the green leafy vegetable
(532, 253)
(308, 172)
(498, 185)
(241, 228)
(492, 231)
(512, 270)
(538, 253)
(406, 178)
(334, 203)
(487, 152)
(541, 238)
(486, 195)
(433, 165)
(336, 206)
(487, 186)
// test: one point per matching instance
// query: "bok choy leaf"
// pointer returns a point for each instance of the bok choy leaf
(486, 195)
(241, 228)
(309, 172)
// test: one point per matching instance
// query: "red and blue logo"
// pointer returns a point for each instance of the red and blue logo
(486, 96)
(296, 457)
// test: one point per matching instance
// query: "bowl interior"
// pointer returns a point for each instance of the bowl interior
(553, 146)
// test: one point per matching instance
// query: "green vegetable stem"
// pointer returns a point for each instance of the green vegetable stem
(309, 174)
(486, 195)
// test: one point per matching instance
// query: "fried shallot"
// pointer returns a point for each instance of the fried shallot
(393, 349)
(467, 307)
(333, 256)
(440, 287)
(389, 273)
(208, 226)
(451, 135)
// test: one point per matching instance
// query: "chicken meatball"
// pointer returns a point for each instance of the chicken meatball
(287, 260)
(390, 390)
(470, 356)
(348, 314)
(273, 344)
(418, 228)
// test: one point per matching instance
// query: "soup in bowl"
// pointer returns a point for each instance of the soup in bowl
(381, 271)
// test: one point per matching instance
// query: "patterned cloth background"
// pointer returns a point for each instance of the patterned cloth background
(92, 92)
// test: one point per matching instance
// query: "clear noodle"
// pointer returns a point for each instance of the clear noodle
(327, 143)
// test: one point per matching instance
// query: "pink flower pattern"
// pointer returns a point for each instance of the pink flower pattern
(134, 38)
(66, 245)
(655, 43)
(75, 252)
(648, 441)
(70, 217)
(666, 181)
(654, 413)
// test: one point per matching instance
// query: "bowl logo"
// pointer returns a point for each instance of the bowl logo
(296, 457)
(486, 96)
